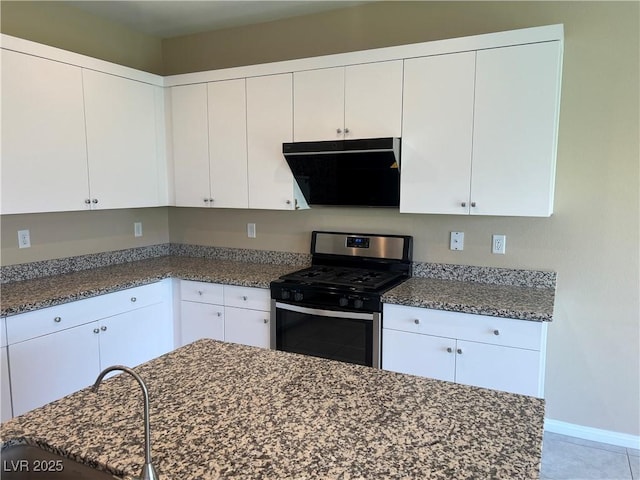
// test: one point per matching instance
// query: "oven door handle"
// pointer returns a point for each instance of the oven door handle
(324, 313)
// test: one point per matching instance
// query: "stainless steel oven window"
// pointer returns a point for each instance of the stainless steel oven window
(373, 317)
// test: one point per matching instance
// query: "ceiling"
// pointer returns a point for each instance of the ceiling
(172, 18)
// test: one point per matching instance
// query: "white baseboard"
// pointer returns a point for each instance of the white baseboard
(593, 434)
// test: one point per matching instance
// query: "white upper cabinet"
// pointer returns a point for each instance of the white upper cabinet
(318, 104)
(515, 130)
(480, 131)
(190, 135)
(121, 141)
(357, 101)
(44, 150)
(210, 144)
(269, 125)
(437, 133)
(228, 143)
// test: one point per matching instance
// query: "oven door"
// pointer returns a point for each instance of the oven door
(352, 337)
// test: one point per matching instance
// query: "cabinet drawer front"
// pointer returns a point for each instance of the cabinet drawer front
(464, 326)
(49, 320)
(201, 292)
(247, 297)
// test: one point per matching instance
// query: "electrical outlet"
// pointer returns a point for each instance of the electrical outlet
(24, 239)
(137, 229)
(251, 230)
(457, 241)
(499, 244)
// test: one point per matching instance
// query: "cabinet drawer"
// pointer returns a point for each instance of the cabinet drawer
(52, 319)
(478, 328)
(247, 297)
(201, 292)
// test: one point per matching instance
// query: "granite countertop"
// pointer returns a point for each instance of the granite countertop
(19, 297)
(524, 303)
(222, 410)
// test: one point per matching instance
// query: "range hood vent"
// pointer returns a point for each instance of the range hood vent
(362, 173)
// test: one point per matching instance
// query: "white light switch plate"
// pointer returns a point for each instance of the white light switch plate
(457, 241)
(251, 230)
(137, 229)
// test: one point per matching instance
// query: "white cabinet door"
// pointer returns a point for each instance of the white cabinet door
(357, 101)
(509, 369)
(416, 354)
(437, 129)
(190, 145)
(135, 337)
(201, 320)
(121, 141)
(228, 143)
(373, 100)
(47, 368)
(269, 125)
(515, 130)
(248, 327)
(318, 104)
(44, 151)
(6, 411)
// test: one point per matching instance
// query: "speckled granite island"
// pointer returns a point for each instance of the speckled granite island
(229, 411)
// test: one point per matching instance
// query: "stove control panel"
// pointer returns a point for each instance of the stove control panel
(320, 298)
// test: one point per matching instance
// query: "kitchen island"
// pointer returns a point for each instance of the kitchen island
(222, 410)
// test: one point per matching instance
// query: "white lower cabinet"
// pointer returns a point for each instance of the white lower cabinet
(58, 350)
(248, 327)
(201, 320)
(224, 312)
(490, 352)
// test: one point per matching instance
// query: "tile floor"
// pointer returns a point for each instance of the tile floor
(570, 458)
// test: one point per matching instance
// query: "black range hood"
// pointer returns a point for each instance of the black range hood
(362, 173)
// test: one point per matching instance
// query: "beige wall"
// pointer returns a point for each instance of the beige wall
(592, 240)
(66, 234)
(61, 25)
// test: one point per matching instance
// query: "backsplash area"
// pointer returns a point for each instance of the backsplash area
(46, 268)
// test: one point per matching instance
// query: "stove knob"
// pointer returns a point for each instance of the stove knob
(285, 294)
(343, 302)
(298, 296)
(358, 303)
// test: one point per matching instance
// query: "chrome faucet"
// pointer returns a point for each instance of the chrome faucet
(148, 471)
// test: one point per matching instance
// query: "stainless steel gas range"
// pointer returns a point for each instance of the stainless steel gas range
(333, 309)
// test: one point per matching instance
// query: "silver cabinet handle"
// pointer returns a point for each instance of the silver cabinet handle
(338, 131)
(245, 298)
(57, 319)
(449, 349)
(200, 292)
(219, 314)
(346, 130)
(496, 332)
(288, 202)
(133, 299)
(463, 204)
(473, 204)
(211, 200)
(103, 328)
(95, 200)
(265, 320)
(95, 330)
(417, 321)
(459, 351)
(87, 201)
(206, 200)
